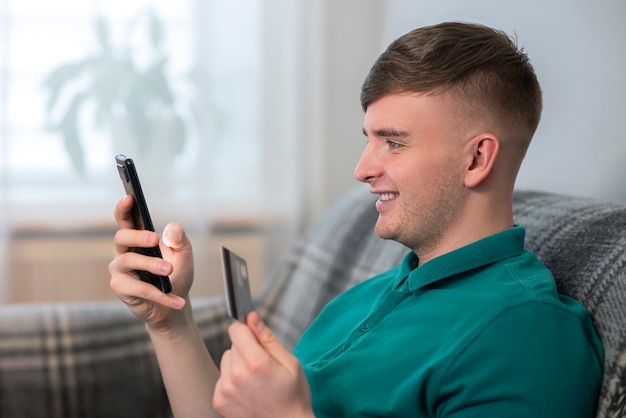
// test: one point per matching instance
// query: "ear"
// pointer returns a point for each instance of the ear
(483, 150)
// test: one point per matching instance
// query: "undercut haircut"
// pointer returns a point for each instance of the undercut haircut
(477, 64)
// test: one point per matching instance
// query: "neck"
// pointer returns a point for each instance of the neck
(482, 216)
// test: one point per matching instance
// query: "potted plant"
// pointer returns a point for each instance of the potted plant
(132, 102)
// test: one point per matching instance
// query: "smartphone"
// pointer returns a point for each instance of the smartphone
(141, 217)
(237, 285)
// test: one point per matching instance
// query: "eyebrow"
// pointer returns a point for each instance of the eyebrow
(388, 133)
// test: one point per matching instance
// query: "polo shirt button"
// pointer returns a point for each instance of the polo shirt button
(365, 327)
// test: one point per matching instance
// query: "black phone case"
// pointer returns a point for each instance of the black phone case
(141, 216)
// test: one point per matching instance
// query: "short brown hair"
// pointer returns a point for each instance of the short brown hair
(482, 65)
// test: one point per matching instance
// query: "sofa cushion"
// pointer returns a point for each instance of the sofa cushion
(77, 360)
(583, 242)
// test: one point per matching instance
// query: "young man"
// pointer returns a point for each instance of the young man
(469, 325)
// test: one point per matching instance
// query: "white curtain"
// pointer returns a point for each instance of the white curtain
(270, 91)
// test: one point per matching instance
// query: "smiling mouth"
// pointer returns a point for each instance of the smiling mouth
(383, 197)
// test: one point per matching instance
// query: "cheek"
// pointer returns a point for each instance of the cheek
(449, 170)
(431, 182)
(427, 173)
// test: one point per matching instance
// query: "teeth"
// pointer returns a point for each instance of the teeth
(387, 196)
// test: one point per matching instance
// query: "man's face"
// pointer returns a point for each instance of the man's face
(414, 163)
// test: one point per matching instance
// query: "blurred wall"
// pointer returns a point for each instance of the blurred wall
(578, 50)
(340, 41)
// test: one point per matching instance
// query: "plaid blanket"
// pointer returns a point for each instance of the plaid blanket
(87, 360)
(83, 360)
(95, 360)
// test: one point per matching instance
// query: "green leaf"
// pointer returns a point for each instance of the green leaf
(158, 83)
(139, 124)
(179, 134)
(118, 88)
(56, 81)
(103, 33)
(155, 30)
(69, 129)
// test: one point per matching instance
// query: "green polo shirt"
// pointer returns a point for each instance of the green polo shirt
(478, 332)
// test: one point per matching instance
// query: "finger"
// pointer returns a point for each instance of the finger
(174, 236)
(177, 249)
(269, 341)
(225, 391)
(230, 373)
(241, 365)
(123, 212)
(125, 239)
(225, 362)
(134, 292)
(244, 345)
(255, 343)
(129, 262)
(131, 290)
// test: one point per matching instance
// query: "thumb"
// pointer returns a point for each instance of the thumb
(268, 340)
(177, 250)
(174, 236)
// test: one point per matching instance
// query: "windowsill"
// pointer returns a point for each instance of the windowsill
(46, 262)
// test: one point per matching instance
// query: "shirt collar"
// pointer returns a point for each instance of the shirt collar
(494, 248)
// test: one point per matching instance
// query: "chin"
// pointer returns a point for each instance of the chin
(384, 232)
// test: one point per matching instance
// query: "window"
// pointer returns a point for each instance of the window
(212, 53)
(237, 109)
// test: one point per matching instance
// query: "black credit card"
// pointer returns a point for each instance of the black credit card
(237, 285)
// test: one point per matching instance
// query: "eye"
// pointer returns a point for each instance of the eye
(393, 145)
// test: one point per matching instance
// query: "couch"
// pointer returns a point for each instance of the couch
(95, 360)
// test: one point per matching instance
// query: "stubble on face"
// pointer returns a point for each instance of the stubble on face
(422, 220)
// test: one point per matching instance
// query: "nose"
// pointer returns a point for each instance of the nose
(366, 169)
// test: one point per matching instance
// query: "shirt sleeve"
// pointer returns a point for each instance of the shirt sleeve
(532, 360)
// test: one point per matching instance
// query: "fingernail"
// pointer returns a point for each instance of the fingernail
(172, 235)
(147, 238)
(164, 268)
(179, 303)
(255, 320)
